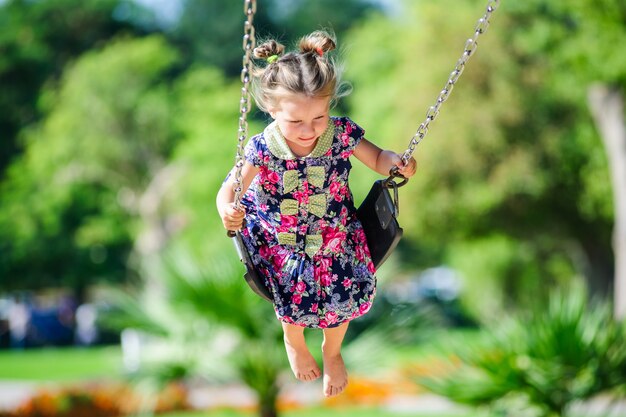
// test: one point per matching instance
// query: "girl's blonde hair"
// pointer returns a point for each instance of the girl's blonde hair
(309, 71)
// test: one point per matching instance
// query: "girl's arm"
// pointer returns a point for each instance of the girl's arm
(381, 160)
(231, 217)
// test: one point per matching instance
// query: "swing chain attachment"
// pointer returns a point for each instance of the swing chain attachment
(245, 103)
(470, 47)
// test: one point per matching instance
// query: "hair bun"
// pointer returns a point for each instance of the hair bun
(318, 40)
(267, 49)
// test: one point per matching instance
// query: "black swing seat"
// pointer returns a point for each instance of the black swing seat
(378, 214)
(254, 280)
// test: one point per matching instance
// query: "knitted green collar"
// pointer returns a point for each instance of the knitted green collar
(278, 145)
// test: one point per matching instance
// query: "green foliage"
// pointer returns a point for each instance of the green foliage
(38, 39)
(543, 361)
(204, 321)
(510, 155)
(206, 116)
(69, 203)
(489, 264)
(222, 23)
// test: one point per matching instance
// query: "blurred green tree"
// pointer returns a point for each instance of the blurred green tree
(37, 40)
(580, 38)
(511, 170)
(69, 209)
(210, 31)
(202, 321)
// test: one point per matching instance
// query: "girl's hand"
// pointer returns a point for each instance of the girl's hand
(409, 169)
(232, 218)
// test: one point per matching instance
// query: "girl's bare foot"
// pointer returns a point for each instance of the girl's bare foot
(335, 375)
(302, 363)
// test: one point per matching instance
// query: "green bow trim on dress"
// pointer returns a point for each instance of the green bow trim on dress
(312, 246)
(317, 205)
(316, 175)
(289, 207)
(290, 180)
(285, 238)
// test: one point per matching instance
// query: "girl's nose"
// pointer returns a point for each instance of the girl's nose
(307, 130)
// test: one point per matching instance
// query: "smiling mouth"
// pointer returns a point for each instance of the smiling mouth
(307, 139)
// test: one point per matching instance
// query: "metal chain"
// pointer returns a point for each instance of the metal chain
(470, 47)
(249, 43)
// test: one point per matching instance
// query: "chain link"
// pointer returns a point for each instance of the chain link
(470, 47)
(249, 43)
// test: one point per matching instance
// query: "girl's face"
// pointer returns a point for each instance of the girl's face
(302, 120)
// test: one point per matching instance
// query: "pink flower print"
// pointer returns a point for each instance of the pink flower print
(348, 128)
(345, 139)
(359, 236)
(365, 307)
(263, 171)
(329, 152)
(370, 267)
(343, 215)
(345, 154)
(334, 190)
(279, 257)
(324, 263)
(359, 253)
(337, 122)
(303, 229)
(264, 208)
(347, 282)
(333, 239)
(314, 308)
(323, 324)
(331, 317)
(288, 221)
(300, 287)
(265, 252)
(273, 177)
(296, 298)
(302, 197)
(322, 268)
(291, 164)
(325, 279)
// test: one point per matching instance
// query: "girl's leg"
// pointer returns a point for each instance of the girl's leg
(302, 363)
(335, 374)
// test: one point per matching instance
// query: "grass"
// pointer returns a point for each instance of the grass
(61, 364)
(75, 364)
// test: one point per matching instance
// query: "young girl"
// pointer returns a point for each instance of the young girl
(300, 220)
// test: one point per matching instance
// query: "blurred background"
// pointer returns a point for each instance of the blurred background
(121, 295)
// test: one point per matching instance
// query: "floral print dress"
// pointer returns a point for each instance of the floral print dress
(302, 231)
